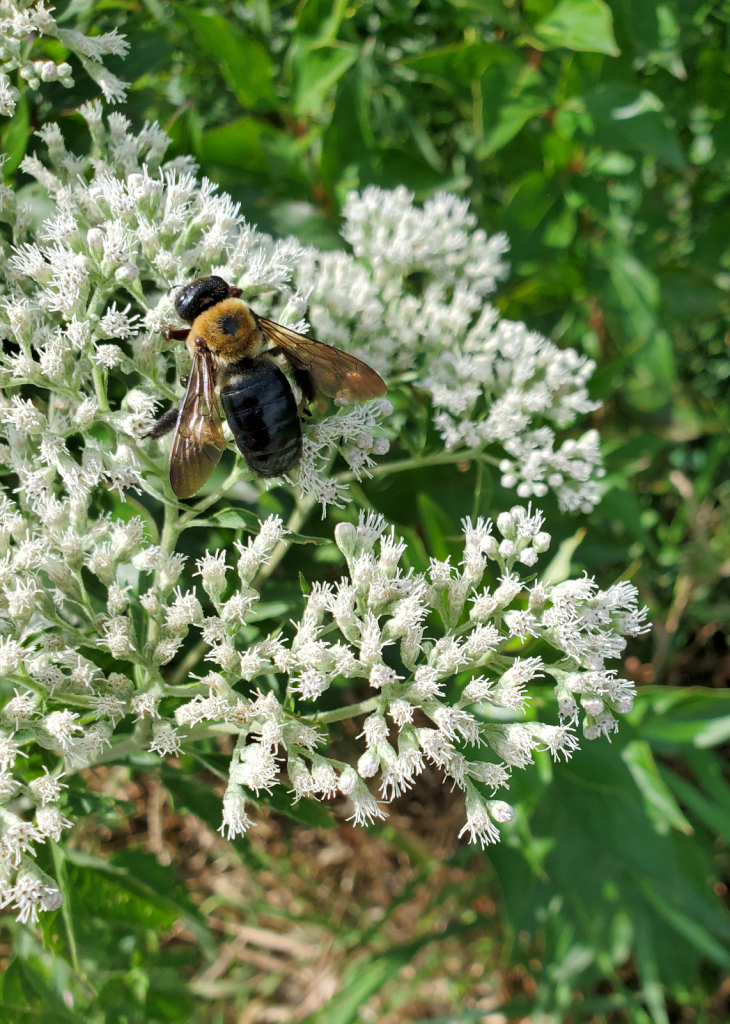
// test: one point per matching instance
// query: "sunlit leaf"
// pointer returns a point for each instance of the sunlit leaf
(585, 25)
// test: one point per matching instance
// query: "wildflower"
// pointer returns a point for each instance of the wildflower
(61, 725)
(50, 822)
(144, 705)
(47, 788)
(491, 381)
(29, 894)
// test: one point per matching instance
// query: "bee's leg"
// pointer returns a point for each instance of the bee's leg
(175, 333)
(164, 424)
(305, 382)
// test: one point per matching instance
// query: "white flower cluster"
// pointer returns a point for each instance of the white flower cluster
(380, 607)
(59, 699)
(20, 21)
(88, 292)
(437, 700)
(410, 300)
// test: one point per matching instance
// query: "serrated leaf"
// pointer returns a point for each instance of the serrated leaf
(582, 25)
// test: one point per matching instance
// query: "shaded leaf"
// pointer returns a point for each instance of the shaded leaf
(14, 139)
(460, 63)
(243, 60)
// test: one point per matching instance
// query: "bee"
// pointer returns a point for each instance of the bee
(235, 369)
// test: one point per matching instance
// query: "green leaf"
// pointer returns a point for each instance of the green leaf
(14, 139)
(20, 981)
(659, 802)
(559, 568)
(240, 144)
(237, 519)
(460, 63)
(317, 68)
(713, 733)
(512, 118)
(645, 131)
(712, 816)
(436, 525)
(320, 19)
(240, 519)
(305, 811)
(100, 889)
(244, 61)
(583, 25)
(694, 932)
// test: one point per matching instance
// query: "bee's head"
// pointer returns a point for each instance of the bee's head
(199, 295)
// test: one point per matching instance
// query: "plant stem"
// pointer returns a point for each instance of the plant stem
(297, 519)
(340, 714)
(438, 459)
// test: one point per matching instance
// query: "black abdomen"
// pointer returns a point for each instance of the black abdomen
(262, 413)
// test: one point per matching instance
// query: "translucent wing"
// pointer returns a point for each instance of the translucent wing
(198, 442)
(335, 373)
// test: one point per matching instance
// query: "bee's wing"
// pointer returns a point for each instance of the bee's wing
(335, 373)
(198, 442)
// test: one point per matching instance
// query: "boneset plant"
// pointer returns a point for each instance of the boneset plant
(96, 607)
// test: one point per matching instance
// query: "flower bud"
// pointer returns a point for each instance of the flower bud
(346, 539)
(127, 273)
(368, 765)
(506, 525)
(95, 240)
(541, 542)
(500, 811)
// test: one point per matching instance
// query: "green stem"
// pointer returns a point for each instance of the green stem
(297, 519)
(418, 462)
(340, 714)
(97, 375)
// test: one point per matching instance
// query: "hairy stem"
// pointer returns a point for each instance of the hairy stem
(340, 714)
(297, 519)
(418, 462)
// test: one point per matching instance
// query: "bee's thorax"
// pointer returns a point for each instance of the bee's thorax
(229, 331)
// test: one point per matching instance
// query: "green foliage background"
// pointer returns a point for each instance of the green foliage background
(597, 135)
